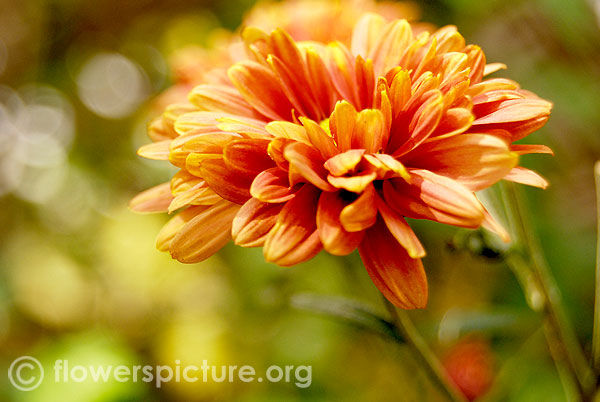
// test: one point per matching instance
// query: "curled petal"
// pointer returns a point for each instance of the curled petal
(355, 184)
(306, 164)
(272, 186)
(275, 151)
(399, 277)
(205, 234)
(336, 240)
(345, 162)
(434, 197)
(387, 166)
(155, 199)
(253, 222)
(295, 238)
(362, 213)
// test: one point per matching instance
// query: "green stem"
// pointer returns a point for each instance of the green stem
(596, 336)
(403, 324)
(543, 295)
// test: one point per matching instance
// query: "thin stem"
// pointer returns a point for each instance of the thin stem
(423, 353)
(546, 293)
(596, 336)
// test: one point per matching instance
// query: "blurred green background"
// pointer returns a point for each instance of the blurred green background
(80, 278)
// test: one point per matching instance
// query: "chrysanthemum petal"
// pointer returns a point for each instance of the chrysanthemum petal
(356, 184)
(342, 124)
(253, 222)
(295, 238)
(259, 87)
(205, 234)
(366, 34)
(272, 186)
(525, 176)
(198, 195)
(362, 213)
(306, 164)
(423, 123)
(434, 197)
(399, 277)
(156, 150)
(336, 240)
(370, 132)
(221, 98)
(248, 154)
(284, 129)
(345, 162)
(320, 81)
(476, 161)
(513, 110)
(403, 233)
(319, 138)
(230, 184)
(491, 68)
(173, 226)
(387, 166)
(155, 199)
(524, 149)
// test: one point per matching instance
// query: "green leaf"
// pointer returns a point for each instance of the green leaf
(348, 311)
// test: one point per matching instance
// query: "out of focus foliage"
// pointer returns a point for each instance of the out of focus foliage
(80, 278)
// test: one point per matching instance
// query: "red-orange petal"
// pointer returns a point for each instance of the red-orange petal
(477, 161)
(228, 183)
(306, 165)
(260, 88)
(401, 279)
(295, 238)
(336, 240)
(524, 149)
(362, 213)
(253, 222)
(272, 186)
(401, 230)
(342, 123)
(434, 197)
(248, 154)
(370, 132)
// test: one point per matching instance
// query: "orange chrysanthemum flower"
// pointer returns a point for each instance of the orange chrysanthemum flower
(303, 20)
(307, 146)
